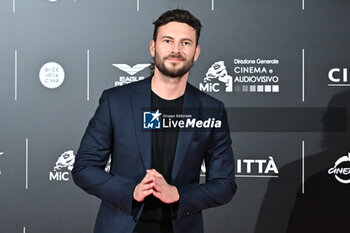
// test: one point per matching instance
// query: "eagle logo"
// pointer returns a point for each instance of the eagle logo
(131, 70)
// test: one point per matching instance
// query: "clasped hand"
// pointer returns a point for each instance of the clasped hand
(155, 184)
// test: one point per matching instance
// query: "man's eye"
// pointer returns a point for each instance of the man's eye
(167, 41)
(185, 43)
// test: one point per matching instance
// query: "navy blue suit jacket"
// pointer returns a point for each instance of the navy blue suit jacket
(116, 130)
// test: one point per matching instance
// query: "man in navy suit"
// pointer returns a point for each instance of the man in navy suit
(153, 183)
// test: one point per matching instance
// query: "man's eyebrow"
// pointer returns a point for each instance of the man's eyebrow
(187, 39)
(167, 37)
(170, 37)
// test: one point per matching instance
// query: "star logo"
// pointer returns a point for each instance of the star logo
(156, 115)
(151, 120)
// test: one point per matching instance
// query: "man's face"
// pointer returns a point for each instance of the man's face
(175, 49)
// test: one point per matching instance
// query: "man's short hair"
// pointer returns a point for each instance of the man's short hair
(178, 15)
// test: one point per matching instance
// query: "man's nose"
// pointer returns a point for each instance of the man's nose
(176, 48)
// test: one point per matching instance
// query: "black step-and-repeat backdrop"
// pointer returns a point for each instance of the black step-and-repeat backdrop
(281, 68)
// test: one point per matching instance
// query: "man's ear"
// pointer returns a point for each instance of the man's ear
(196, 53)
(152, 47)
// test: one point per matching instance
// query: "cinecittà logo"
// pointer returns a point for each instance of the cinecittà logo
(341, 169)
(157, 120)
(131, 71)
(253, 168)
(51, 75)
(256, 168)
(338, 77)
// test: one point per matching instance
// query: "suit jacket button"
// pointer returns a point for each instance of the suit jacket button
(135, 220)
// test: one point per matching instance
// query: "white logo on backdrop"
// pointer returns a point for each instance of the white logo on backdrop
(341, 169)
(51, 75)
(252, 168)
(217, 72)
(338, 77)
(65, 160)
(248, 76)
(256, 168)
(131, 72)
(65, 164)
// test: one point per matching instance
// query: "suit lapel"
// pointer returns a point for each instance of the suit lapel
(141, 101)
(191, 107)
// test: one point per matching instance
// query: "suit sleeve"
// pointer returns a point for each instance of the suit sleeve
(96, 146)
(220, 183)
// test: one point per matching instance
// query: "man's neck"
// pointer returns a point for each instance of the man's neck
(168, 87)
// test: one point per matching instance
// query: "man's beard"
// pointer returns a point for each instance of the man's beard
(175, 72)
